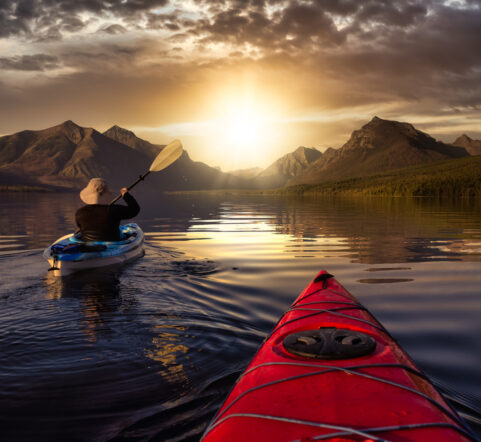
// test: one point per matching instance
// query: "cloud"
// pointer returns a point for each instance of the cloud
(47, 19)
(114, 29)
(37, 62)
(425, 61)
(293, 26)
(303, 23)
(396, 13)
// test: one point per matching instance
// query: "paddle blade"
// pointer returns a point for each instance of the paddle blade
(167, 156)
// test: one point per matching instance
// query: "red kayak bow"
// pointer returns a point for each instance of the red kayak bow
(330, 371)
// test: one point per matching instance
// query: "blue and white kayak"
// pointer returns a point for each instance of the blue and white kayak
(70, 254)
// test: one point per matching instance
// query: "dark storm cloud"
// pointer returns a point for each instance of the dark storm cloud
(235, 20)
(72, 24)
(312, 24)
(296, 26)
(173, 21)
(391, 14)
(231, 26)
(110, 58)
(10, 24)
(447, 44)
(114, 29)
(25, 9)
(388, 35)
(303, 22)
(38, 62)
(42, 19)
(391, 50)
(36, 19)
(340, 7)
(120, 7)
(399, 48)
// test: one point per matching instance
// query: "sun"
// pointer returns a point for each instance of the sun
(241, 129)
(249, 133)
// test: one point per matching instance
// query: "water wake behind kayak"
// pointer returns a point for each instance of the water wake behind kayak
(90, 355)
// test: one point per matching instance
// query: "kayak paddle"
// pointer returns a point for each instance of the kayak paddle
(166, 157)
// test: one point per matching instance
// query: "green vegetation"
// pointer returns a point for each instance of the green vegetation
(451, 178)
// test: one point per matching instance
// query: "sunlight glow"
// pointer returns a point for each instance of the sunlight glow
(241, 129)
(244, 128)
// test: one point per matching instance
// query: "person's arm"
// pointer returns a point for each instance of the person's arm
(132, 208)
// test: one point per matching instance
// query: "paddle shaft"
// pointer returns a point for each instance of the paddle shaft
(139, 179)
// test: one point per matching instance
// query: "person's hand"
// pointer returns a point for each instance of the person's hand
(123, 191)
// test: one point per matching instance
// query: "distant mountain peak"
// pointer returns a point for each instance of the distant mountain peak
(69, 123)
(472, 146)
(128, 138)
(120, 130)
(305, 149)
(124, 136)
(379, 133)
(305, 155)
(290, 165)
(301, 149)
(71, 130)
(464, 137)
(379, 122)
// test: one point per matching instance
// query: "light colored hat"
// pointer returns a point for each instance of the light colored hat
(97, 192)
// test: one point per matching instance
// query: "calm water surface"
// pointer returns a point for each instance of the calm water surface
(149, 351)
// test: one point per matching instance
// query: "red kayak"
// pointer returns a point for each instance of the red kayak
(330, 371)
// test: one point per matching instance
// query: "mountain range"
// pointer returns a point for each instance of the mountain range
(68, 155)
(379, 146)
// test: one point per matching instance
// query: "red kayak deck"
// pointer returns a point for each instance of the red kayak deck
(330, 371)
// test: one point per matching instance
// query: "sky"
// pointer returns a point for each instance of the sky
(241, 82)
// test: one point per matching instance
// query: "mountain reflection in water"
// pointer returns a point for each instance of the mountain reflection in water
(149, 350)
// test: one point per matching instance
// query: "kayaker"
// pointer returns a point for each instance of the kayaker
(98, 220)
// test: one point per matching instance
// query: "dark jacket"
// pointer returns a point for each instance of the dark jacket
(100, 222)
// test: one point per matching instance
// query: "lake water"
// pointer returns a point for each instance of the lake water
(149, 351)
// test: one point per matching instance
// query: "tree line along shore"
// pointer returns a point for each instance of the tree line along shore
(452, 178)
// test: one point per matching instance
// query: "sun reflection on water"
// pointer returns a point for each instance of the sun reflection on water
(167, 347)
